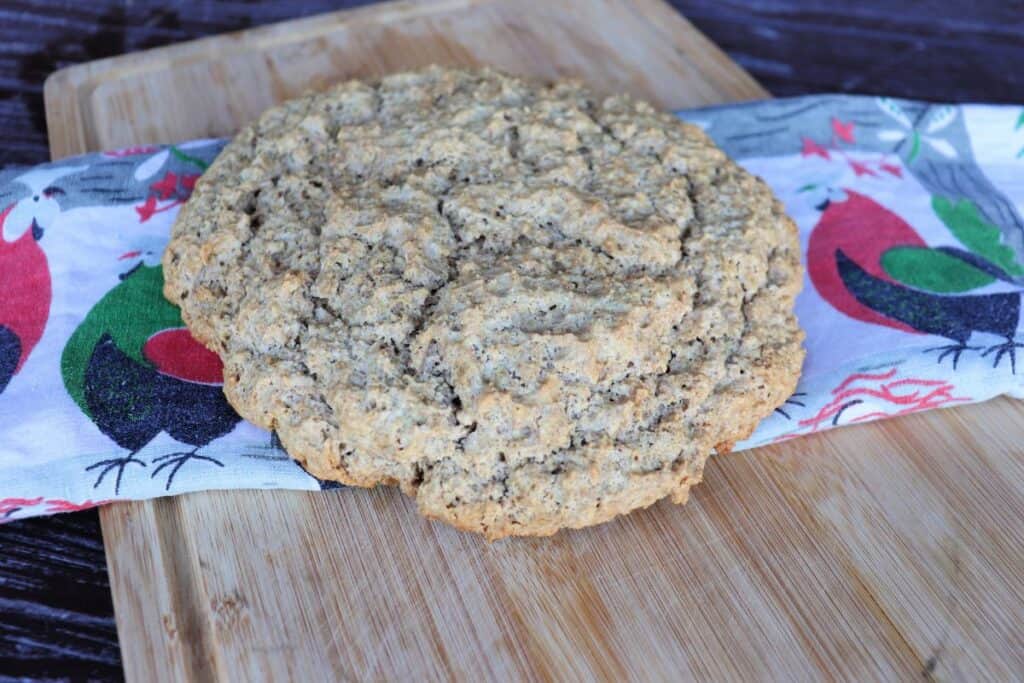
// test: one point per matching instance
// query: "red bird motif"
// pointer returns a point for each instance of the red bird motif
(864, 231)
(24, 295)
(25, 289)
(871, 265)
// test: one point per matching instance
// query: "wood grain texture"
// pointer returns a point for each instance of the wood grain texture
(881, 551)
(924, 49)
(56, 619)
(912, 48)
(209, 87)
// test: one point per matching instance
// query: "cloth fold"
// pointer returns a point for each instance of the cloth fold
(910, 218)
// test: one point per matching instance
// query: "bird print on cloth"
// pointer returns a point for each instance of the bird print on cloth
(877, 139)
(867, 259)
(25, 288)
(136, 371)
(873, 266)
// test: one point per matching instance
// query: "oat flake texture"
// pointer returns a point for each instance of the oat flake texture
(529, 306)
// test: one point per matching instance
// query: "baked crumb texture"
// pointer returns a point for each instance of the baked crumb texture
(528, 306)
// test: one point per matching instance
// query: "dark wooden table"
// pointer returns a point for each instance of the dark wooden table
(56, 619)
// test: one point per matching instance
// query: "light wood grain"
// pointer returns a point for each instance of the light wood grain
(210, 87)
(886, 551)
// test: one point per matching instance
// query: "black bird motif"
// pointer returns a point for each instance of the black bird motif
(953, 317)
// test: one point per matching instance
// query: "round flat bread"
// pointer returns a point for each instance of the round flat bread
(529, 306)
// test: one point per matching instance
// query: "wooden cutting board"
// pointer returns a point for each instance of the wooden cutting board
(893, 550)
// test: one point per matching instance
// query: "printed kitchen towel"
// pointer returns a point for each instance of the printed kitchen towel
(910, 219)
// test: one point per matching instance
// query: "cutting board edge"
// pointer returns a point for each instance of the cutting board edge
(140, 60)
(66, 91)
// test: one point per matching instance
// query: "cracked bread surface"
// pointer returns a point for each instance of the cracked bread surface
(529, 306)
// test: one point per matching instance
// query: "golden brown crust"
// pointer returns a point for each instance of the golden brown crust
(529, 307)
